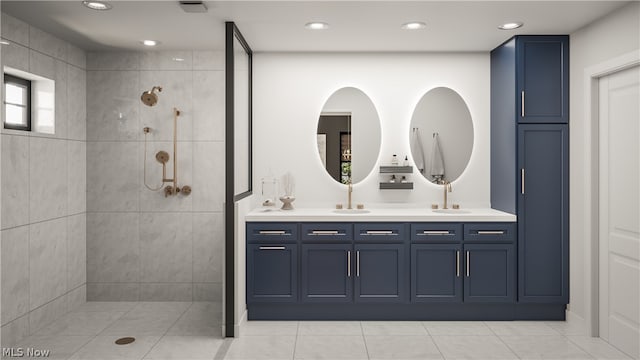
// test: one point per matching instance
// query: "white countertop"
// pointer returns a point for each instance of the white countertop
(379, 214)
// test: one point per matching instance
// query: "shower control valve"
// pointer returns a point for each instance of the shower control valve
(168, 191)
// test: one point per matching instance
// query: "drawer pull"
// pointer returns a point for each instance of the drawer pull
(272, 232)
(436, 232)
(490, 232)
(272, 248)
(325, 232)
(379, 232)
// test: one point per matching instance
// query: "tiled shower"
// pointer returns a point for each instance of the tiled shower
(77, 222)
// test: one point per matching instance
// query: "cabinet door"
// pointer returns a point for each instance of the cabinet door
(327, 271)
(489, 273)
(272, 273)
(543, 79)
(436, 272)
(380, 273)
(543, 224)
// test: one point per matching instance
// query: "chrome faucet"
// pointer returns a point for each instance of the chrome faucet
(447, 188)
(349, 191)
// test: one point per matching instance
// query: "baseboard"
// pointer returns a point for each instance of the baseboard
(576, 319)
(405, 312)
(240, 324)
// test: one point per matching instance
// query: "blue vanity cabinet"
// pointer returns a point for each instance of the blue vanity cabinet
(542, 73)
(381, 262)
(327, 272)
(436, 273)
(529, 160)
(272, 273)
(272, 232)
(380, 273)
(489, 273)
(436, 232)
(543, 224)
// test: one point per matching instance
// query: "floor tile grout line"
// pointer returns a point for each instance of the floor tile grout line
(434, 343)
(166, 331)
(123, 313)
(502, 340)
(364, 339)
(587, 351)
(295, 343)
(83, 345)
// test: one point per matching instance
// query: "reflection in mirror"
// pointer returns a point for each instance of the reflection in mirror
(441, 135)
(348, 135)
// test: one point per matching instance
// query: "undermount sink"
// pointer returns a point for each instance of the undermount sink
(451, 211)
(351, 211)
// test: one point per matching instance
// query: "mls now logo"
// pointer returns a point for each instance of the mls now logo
(25, 352)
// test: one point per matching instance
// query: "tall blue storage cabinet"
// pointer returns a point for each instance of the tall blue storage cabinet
(530, 159)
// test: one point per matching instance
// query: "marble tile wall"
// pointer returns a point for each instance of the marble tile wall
(141, 245)
(43, 240)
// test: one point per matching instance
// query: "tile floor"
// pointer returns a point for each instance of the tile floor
(191, 331)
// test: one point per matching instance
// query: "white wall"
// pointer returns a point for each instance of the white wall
(43, 190)
(291, 89)
(616, 34)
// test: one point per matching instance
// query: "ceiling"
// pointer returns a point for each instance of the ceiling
(278, 26)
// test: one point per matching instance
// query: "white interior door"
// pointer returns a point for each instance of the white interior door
(619, 181)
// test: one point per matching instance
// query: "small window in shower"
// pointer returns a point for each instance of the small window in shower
(17, 103)
(29, 102)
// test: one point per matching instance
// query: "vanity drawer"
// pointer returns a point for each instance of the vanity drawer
(326, 231)
(380, 232)
(436, 232)
(502, 232)
(272, 232)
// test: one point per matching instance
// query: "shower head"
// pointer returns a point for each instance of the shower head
(150, 97)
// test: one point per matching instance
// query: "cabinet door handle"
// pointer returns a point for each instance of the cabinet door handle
(272, 232)
(348, 263)
(458, 263)
(522, 103)
(436, 232)
(325, 232)
(358, 263)
(522, 181)
(379, 232)
(490, 232)
(468, 261)
(272, 247)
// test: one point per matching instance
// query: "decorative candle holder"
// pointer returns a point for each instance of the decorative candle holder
(286, 202)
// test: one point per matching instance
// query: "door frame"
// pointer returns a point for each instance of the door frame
(591, 191)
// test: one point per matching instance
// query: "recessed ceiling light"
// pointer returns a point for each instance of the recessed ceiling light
(97, 5)
(5, 42)
(150, 42)
(510, 25)
(178, 59)
(316, 26)
(414, 25)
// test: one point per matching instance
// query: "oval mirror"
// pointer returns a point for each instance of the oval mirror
(348, 135)
(441, 135)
